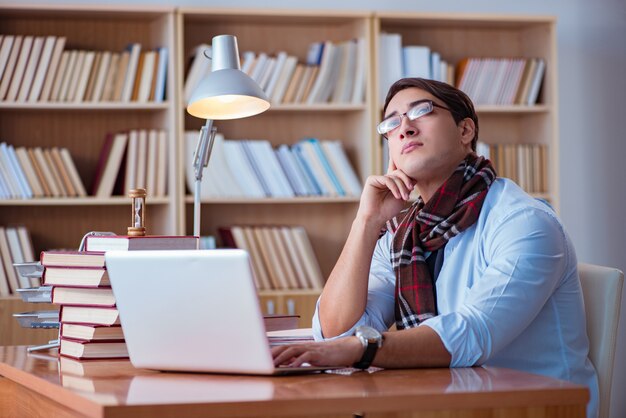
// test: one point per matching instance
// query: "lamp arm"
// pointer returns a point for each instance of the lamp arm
(200, 161)
(203, 148)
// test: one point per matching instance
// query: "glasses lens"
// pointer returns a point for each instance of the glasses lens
(388, 124)
(419, 110)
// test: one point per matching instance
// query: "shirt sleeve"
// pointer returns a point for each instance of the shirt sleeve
(379, 312)
(526, 255)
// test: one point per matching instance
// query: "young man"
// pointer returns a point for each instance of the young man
(474, 272)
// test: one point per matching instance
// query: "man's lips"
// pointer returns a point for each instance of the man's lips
(409, 146)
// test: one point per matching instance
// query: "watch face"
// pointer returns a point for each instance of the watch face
(368, 333)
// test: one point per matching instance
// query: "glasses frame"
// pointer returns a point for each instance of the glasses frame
(433, 105)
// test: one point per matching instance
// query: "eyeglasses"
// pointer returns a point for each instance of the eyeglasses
(419, 109)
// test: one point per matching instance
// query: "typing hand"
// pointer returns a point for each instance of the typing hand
(340, 352)
(385, 196)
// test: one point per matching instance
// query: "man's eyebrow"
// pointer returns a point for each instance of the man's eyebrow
(395, 112)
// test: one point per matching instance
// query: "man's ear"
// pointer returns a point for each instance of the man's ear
(467, 129)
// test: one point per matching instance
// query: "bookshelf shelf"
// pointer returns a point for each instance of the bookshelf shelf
(276, 200)
(80, 201)
(317, 108)
(517, 109)
(83, 106)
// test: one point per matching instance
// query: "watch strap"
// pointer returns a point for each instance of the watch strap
(368, 356)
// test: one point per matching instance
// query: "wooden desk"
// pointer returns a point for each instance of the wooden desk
(42, 385)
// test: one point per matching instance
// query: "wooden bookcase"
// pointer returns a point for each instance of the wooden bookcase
(326, 220)
(60, 223)
(82, 127)
(458, 36)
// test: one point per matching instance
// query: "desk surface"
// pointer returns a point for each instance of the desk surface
(116, 388)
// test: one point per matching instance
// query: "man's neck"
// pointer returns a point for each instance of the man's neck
(428, 187)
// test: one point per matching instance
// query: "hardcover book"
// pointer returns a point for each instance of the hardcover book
(280, 322)
(82, 296)
(87, 349)
(90, 315)
(76, 276)
(150, 242)
(72, 258)
(87, 332)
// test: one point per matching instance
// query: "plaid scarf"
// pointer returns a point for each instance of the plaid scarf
(453, 208)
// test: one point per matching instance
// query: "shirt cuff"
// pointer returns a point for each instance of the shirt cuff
(317, 326)
(457, 337)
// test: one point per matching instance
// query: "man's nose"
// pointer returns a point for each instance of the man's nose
(407, 129)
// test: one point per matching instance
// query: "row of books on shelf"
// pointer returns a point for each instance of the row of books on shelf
(487, 81)
(40, 69)
(397, 61)
(334, 72)
(253, 168)
(38, 172)
(15, 247)
(282, 256)
(501, 81)
(525, 164)
(128, 160)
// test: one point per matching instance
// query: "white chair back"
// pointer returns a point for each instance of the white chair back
(602, 292)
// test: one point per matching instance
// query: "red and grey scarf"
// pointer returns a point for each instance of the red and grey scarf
(453, 208)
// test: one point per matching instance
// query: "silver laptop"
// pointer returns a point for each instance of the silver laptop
(191, 310)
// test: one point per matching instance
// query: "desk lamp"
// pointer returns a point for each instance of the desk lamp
(225, 93)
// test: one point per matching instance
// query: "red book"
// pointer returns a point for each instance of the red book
(91, 350)
(280, 322)
(149, 242)
(72, 258)
(76, 276)
(89, 315)
(102, 162)
(83, 296)
(226, 235)
(89, 332)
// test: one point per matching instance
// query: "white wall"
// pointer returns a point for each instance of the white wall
(592, 90)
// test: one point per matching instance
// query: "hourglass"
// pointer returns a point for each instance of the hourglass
(138, 213)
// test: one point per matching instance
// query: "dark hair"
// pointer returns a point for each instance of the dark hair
(459, 103)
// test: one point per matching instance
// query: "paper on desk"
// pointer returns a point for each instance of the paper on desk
(347, 371)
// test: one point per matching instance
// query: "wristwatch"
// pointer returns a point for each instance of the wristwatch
(372, 340)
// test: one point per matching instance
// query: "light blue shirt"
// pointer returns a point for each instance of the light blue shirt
(508, 293)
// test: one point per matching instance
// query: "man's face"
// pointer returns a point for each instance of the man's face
(430, 147)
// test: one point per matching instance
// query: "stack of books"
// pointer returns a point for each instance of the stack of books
(89, 320)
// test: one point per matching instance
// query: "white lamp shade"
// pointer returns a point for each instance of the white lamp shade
(227, 94)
